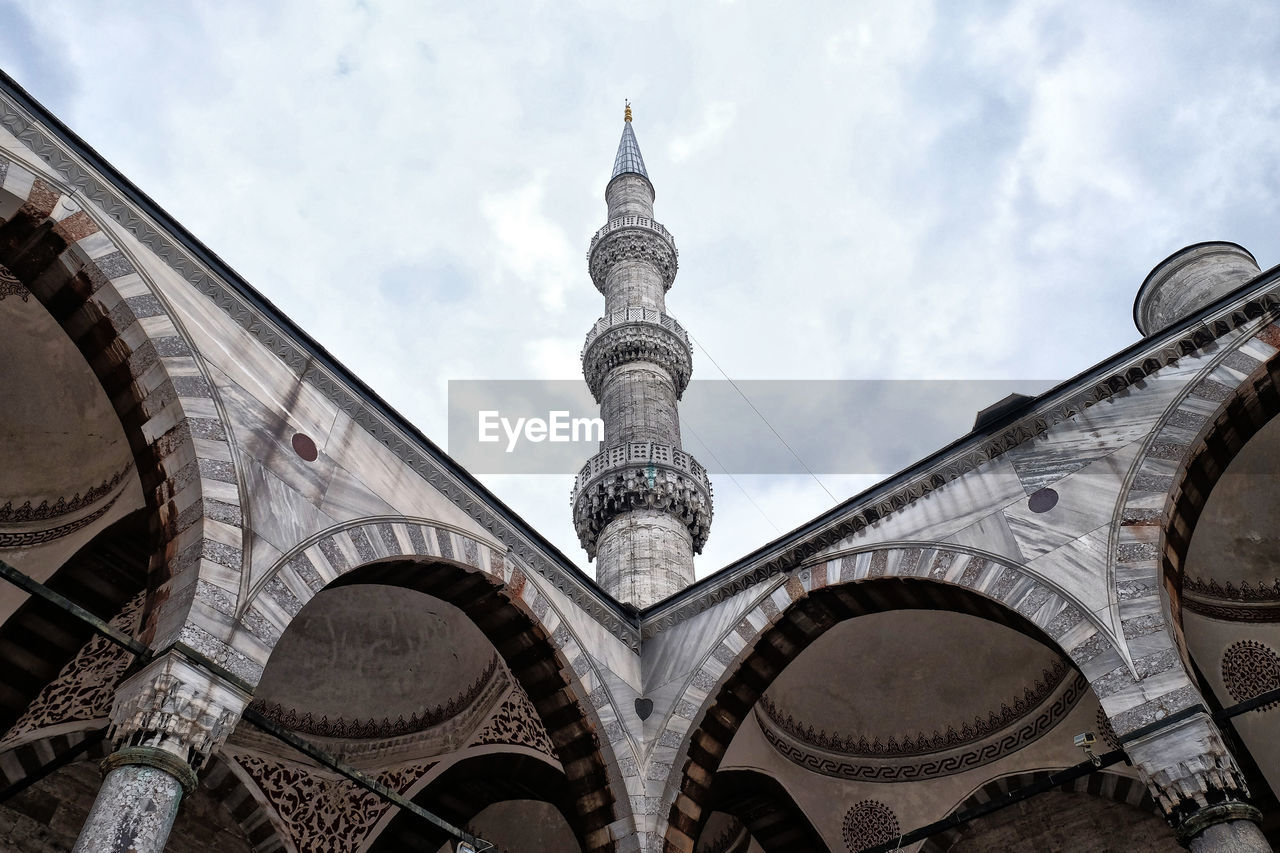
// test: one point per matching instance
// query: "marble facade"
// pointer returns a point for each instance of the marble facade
(267, 475)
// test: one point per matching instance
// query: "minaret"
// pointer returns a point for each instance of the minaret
(642, 506)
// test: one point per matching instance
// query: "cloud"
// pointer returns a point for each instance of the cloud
(716, 123)
(909, 190)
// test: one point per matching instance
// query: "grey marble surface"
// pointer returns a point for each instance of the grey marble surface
(134, 812)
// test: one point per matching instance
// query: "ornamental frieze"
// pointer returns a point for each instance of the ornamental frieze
(926, 755)
(633, 244)
(641, 476)
(357, 729)
(84, 687)
(631, 342)
(10, 286)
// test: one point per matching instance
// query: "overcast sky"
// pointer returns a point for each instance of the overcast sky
(905, 190)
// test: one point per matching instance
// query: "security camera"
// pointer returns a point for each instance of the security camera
(1085, 741)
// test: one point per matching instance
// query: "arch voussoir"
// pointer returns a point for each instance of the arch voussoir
(86, 279)
(1167, 487)
(498, 596)
(810, 600)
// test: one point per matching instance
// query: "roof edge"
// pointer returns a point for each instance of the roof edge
(204, 255)
(1025, 412)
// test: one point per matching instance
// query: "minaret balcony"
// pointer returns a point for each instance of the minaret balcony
(641, 475)
(636, 334)
(633, 238)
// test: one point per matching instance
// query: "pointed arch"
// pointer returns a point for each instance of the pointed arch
(1167, 486)
(500, 598)
(1106, 785)
(766, 810)
(61, 254)
(807, 602)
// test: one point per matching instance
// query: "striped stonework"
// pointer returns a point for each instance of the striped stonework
(1104, 784)
(500, 596)
(1167, 487)
(791, 614)
(151, 374)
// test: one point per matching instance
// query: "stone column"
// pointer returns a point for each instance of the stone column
(1199, 787)
(166, 721)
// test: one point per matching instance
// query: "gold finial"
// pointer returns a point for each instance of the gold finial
(627, 117)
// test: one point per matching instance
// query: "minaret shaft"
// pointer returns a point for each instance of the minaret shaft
(642, 506)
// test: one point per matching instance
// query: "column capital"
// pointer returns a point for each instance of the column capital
(176, 706)
(1192, 776)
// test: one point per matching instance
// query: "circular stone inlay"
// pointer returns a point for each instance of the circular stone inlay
(1249, 669)
(1043, 500)
(869, 823)
(305, 447)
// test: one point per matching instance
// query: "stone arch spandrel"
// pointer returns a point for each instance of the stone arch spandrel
(503, 599)
(788, 617)
(1157, 507)
(137, 347)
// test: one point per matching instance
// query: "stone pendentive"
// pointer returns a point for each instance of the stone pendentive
(639, 476)
(641, 507)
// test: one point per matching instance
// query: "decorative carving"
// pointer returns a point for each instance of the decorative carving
(641, 476)
(630, 341)
(171, 701)
(63, 505)
(85, 686)
(1112, 378)
(869, 823)
(633, 243)
(629, 222)
(26, 513)
(884, 761)
(28, 538)
(516, 722)
(1188, 768)
(340, 727)
(923, 743)
(1230, 592)
(1251, 668)
(10, 286)
(1105, 730)
(322, 813)
(1244, 603)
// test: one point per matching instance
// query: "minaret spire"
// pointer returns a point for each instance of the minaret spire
(642, 506)
(628, 159)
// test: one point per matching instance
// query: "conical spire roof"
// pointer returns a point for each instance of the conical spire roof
(628, 160)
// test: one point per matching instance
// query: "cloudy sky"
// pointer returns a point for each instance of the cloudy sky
(906, 190)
